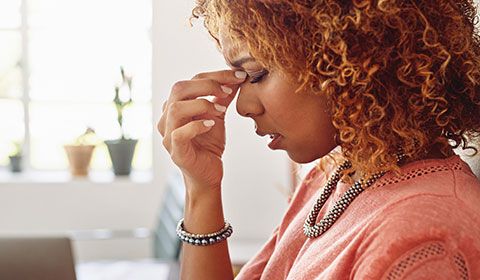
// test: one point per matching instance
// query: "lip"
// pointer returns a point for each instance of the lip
(274, 144)
(260, 133)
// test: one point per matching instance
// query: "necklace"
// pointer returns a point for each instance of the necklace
(312, 230)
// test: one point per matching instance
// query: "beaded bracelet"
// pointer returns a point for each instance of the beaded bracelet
(204, 239)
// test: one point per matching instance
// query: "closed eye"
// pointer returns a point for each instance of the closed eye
(257, 76)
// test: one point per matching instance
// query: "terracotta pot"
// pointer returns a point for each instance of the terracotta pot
(79, 157)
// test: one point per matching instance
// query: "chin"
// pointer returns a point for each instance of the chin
(307, 157)
(302, 158)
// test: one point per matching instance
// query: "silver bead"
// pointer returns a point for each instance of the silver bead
(312, 230)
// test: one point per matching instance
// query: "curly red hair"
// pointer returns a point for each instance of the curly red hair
(396, 73)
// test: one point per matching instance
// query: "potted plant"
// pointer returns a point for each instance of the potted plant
(122, 150)
(79, 153)
(16, 158)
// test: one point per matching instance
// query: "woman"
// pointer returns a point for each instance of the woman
(394, 84)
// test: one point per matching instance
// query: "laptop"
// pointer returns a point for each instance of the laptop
(45, 258)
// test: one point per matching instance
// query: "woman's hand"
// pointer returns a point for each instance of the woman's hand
(194, 128)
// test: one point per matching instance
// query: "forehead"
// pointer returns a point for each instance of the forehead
(232, 48)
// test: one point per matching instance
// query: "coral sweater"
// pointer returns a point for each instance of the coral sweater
(422, 224)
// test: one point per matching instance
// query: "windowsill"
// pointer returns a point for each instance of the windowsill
(55, 177)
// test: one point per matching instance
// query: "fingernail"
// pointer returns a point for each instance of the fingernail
(240, 75)
(227, 90)
(220, 108)
(208, 123)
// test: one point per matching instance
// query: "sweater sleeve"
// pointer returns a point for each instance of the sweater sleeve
(429, 260)
(420, 238)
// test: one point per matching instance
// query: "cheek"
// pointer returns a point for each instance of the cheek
(285, 116)
(311, 124)
(283, 103)
(298, 114)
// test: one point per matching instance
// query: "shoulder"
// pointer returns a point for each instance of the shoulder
(429, 184)
(439, 176)
(432, 225)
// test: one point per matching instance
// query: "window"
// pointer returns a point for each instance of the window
(59, 63)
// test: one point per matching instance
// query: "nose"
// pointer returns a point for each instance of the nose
(248, 103)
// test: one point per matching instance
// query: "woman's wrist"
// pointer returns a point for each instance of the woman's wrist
(197, 188)
(203, 210)
(197, 192)
(204, 239)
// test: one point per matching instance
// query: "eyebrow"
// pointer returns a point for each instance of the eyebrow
(239, 62)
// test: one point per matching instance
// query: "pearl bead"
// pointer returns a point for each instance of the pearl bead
(312, 230)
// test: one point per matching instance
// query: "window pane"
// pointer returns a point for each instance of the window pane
(84, 55)
(90, 14)
(11, 130)
(54, 124)
(10, 70)
(138, 120)
(10, 13)
(142, 160)
(84, 65)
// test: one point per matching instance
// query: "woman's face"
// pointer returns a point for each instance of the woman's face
(300, 120)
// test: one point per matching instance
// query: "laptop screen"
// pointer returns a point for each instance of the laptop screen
(44, 258)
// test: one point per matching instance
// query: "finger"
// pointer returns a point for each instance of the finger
(224, 77)
(191, 89)
(161, 125)
(164, 106)
(227, 100)
(231, 81)
(182, 112)
(181, 139)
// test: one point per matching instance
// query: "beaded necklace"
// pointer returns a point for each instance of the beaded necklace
(313, 230)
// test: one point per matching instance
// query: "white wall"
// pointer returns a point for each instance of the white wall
(254, 175)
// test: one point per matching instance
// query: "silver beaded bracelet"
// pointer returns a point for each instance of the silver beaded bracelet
(204, 239)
